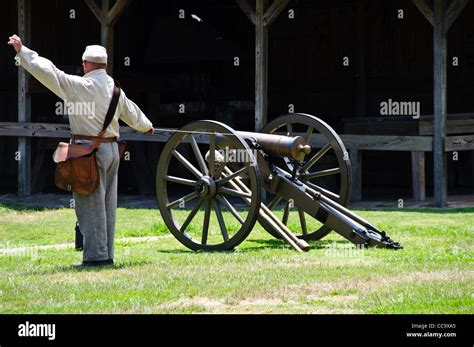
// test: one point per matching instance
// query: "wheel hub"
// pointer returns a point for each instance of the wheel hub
(206, 187)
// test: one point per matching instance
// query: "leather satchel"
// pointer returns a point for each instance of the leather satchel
(76, 169)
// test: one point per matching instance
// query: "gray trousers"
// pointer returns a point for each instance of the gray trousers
(96, 212)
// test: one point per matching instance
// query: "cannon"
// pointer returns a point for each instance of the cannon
(298, 160)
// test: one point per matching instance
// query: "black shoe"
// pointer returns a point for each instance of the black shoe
(95, 263)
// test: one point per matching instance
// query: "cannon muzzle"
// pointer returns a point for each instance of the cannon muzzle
(274, 145)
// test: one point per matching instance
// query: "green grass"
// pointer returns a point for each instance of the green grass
(36, 226)
(433, 274)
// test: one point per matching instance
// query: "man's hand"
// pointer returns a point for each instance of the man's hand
(150, 132)
(15, 41)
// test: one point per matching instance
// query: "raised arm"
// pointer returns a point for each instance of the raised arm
(60, 83)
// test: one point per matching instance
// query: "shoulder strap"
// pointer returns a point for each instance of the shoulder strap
(112, 107)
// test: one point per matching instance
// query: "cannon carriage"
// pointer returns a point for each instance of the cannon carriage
(298, 160)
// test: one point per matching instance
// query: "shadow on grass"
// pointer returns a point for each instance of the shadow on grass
(263, 245)
(28, 208)
(184, 250)
(72, 268)
(280, 244)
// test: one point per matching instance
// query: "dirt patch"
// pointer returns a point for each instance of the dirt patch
(257, 305)
(25, 217)
(319, 297)
(318, 289)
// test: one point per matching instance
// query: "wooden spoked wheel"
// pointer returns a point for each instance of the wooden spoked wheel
(325, 169)
(195, 187)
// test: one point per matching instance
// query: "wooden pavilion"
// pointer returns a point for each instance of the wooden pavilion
(439, 137)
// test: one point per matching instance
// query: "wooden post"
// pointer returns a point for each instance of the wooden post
(439, 92)
(24, 106)
(261, 66)
(262, 17)
(106, 36)
(441, 16)
(104, 28)
(361, 101)
(418, 175)
(355, 156)
(107, 19)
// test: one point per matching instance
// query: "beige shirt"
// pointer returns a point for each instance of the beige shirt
(86, 98)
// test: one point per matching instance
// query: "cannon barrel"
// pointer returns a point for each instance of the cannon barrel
(274, 145)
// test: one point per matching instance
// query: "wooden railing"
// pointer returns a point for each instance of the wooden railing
(417, 145)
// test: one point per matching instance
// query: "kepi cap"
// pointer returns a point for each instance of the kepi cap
(95, 54)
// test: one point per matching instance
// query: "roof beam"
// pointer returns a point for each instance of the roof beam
(116, 11)
(453, 12)
(107, 19)
(425, 9)
(111, 16)
(94, 8)
(248, 10)
(273, 11)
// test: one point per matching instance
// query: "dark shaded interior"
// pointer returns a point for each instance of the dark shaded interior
(183, 61)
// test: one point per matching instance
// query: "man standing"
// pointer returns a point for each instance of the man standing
(95, 212)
